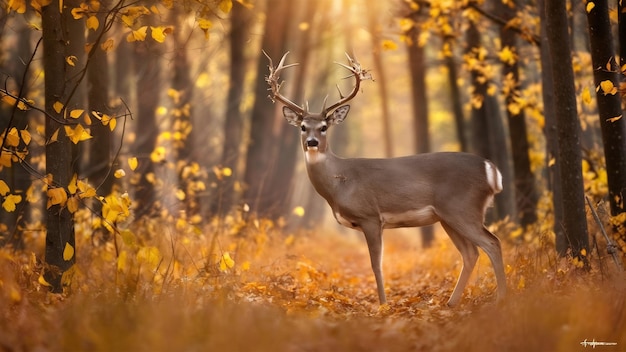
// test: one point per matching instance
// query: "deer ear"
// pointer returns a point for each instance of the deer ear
(339, 115)
(292, 117)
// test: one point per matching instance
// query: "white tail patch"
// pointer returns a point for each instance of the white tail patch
(494, 177)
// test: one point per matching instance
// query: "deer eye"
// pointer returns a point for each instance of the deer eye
(303, 128)
(324, 128)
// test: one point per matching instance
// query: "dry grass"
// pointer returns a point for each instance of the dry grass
(300, 292)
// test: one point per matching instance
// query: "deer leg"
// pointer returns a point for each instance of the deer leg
(469, 252)
(373, 236)
(491, 245)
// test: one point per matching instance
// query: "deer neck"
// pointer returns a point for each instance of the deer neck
(323, 170)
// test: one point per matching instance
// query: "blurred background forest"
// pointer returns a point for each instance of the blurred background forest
(114, 112)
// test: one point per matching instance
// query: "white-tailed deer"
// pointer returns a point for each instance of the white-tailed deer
(370, 195)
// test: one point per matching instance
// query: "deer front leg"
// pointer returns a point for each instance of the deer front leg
(374, 237)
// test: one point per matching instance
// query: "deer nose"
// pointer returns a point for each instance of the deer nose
(312, 142)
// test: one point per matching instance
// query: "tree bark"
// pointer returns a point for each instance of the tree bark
(551, 133)
(234, 123)
(419, 100)
(381, 78)
(612, 121)
(267, 121)
(570, 158)
(525, 193)
(60, 223)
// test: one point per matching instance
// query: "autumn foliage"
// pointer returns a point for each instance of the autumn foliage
(241, 284)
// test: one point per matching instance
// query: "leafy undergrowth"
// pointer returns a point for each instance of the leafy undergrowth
(252, 286)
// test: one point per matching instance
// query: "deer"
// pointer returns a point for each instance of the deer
(370, 195)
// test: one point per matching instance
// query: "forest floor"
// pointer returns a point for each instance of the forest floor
(158, 288)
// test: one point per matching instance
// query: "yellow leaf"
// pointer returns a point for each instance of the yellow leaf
(150, 256)
(57, 106)
(205, 25)
(226, 262)
(119, 173)
(521, 283)
(25, 136)
(76, 113)
(18, 6)
(56, 196)
(590, 6)
(13, 139)
(137, 35)
(71, 60)
(68, 252)
(72, 187)
(6, 158)
(121, 261)
(107, 45)
(227, 172)
(4, 188)
(586, 95)
(608, 87)
(225, 6)
(507, 55)
(10, 201)
(613, 119)
(77, 134)
(158, 155)
(245, 266)
(112, 124)
(93, 23)
(159, 33)
(389, 45)
(133, 163)
(73, 204)
(583, 252)
(86, 191)
(42, 281)
(180, 194)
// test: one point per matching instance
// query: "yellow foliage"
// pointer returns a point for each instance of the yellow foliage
(68, 252)
(138, 35)
(133, 163)
(226, 262)
(10, 201)
(77, 134)
(56, 196)
(93, 23)
(4, 188)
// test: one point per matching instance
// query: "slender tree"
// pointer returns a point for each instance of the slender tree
(267, 121)
(525, 193)
(234, 124)
(60, 223)
(612, 123)
(551, 133)
(570, 158)
(419, 99)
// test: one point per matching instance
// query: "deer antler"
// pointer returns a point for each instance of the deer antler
(273, 81)
(359, 74)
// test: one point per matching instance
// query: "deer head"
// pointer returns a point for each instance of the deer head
(314, 126)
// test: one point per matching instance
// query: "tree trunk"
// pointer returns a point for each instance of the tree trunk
(381, 78)
(612, 122)
(551, 133)
(487, 129)
(148, 71)
(419, 100)
(570, 158)
(267, 121)
(525, 194)
(234, 123)
(97, 164)
(60, 223)
(456, 101)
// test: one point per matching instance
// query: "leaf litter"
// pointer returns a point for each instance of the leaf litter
(255, 285)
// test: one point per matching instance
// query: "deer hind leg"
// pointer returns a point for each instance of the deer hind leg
(373, 236)
(491, 245)
(469, 252)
